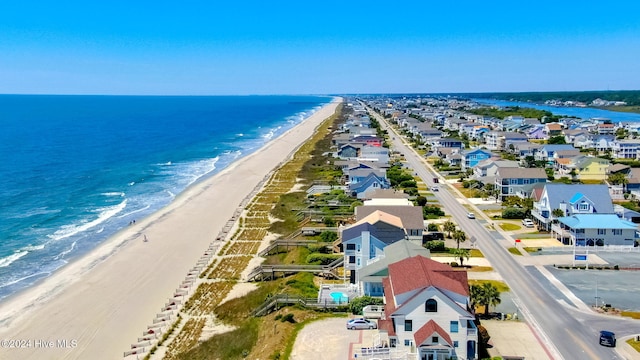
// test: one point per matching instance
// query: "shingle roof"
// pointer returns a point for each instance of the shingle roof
(426, 331)
(425, 273)
(521, 173)
(598, 194)
(411, 217)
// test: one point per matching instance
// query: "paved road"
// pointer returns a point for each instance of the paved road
(565, 332)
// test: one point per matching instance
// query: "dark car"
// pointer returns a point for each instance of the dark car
(431, 236)
(607, 338)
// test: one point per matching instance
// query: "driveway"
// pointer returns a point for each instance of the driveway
(329, 339)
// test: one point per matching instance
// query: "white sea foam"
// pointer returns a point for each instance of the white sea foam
(132, 183)
(33, 247)
(24, 278)
(133, 212)
(168, 163)
(240, 134)
(62, 254)
(104, 214)
(8, 260)
(115, 193)
(100, 230)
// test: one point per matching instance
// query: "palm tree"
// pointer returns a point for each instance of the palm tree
(461, 254)
(459, 236)
(449, 227)
(490, 296)
(475, 296)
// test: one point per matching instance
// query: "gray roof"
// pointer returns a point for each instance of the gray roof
(411, 216)
(521, 173)
(598, 194)
(385, 232)
(393, 253)
(387, 194)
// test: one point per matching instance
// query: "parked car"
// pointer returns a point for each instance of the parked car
(360, 324)
(607, 338)
(527, 223)
(471, 215)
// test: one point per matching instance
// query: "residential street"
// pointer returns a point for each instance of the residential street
(565, 331)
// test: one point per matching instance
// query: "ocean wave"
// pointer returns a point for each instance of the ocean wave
(104, 214)
(65, 252)
(100, 230)
(8, 260)
(132, 183)
(133, 212)
(168, 163)
(114, 193)
(35, 212)
(24, 278)
(33, 247)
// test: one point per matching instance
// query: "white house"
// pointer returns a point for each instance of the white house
(427, 310)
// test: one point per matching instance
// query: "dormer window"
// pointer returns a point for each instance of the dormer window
(583, 206)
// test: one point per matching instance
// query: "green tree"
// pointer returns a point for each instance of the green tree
(421, 200)
(459, 236)
(490, 296)
(356, 305)
(449, 227)
(618, 179)
(557, 140)
(461, 254)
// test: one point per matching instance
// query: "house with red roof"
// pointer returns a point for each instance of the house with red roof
(427, 310)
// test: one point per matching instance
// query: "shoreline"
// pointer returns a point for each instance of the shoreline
(106, 298)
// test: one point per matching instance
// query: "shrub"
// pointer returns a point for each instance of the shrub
(321, 259)
(513, 213)
(432, 210)
(356, 305)
(288, 318)
(278, 317)
(453, 264)
(328, 236)
(432, 227)
(436, 246)
(421, 201)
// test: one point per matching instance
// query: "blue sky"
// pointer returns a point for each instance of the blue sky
(324, 47)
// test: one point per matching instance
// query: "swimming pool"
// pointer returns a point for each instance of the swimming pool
(339, 297)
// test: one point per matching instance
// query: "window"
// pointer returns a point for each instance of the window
(602, 231)
(352, 259)
(583, 206)
(431, 306)
(617, 231)
(455, 344)
(434, 339)
(351, 246)
(407, 342)
(408, 325)
(453, 327)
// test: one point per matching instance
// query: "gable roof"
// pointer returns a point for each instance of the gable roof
(425, 273)
(521, 173)
(395, 252)
(426, 331)
(598, 194)
(410, 217)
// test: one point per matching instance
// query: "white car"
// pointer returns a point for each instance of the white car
(361, 324)
(527, 223)
(471, 215)
(434, 188)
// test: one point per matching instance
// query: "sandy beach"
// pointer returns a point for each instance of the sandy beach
(97, 306)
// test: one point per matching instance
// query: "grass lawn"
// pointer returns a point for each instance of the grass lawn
(515, 251)
(631, 314)
(634, 344)
(500, 285)
(480, 268)
(531, 249)
(509, 226)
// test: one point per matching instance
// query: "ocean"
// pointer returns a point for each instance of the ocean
(76, 169)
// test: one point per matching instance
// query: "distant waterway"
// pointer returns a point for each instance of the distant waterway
(581, 112)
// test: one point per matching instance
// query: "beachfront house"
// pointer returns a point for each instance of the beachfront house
(570, 199)
(365, 240)
(376, 269)
(427, 311)
(595, 230)
(370, 182)
(625, 148)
